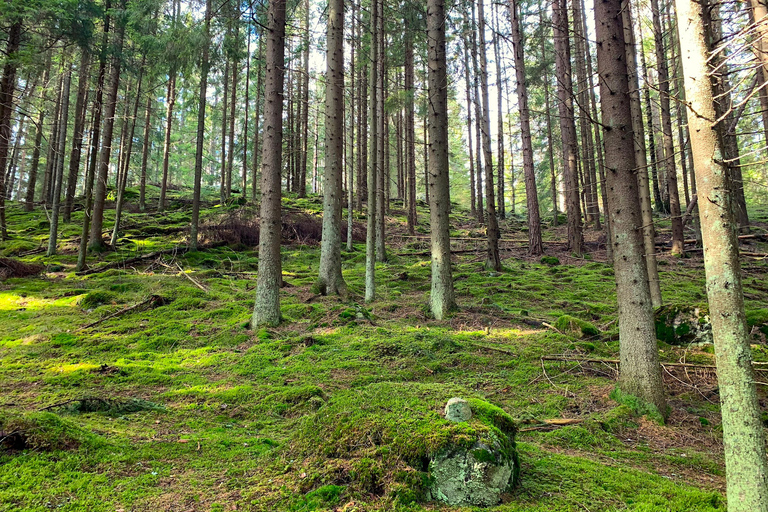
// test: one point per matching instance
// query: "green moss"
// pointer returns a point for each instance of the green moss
(576, 326)
(637, 405)
(550, 260)
(96, 298)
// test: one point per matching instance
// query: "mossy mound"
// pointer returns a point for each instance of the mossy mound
(576, 326)
(680, 324)
(42, 431)
(757, 320)
(379, 439)
(95, 299)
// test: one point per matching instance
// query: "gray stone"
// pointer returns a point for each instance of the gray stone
(471, 477)
(457, 409)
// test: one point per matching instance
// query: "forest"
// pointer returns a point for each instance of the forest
(369, 255)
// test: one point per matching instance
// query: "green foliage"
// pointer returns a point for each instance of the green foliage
(637, 405)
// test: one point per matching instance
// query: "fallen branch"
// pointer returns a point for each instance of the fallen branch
(192, 279)
(553, 423)
(152, 301)
(617, 362)
(138, 259)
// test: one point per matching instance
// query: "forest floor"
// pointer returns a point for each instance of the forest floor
(178, 405)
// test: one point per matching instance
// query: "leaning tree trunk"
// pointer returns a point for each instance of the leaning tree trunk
(534, 221)
(567, 125)
(330, 281)
(640, 370)
(266, 310)
(442, 297)
(638, 130)
(743, 435)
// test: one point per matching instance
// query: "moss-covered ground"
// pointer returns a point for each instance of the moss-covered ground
(179, 405)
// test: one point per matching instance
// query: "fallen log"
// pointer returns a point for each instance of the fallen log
(152, 301)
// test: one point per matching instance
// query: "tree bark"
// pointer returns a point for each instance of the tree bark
(638, 131)
(670, 170)
(100, 193)
(381, 147)
(493, 260)
(534, 221)
(743, 434)
(467, 87)
(205, 67)
(442, 296)
(567, 125)
(32, 179)
(58, 175)
(77, 135)
(640, 370)
(266, 310)
(7, 86)
(370, 242)
(410, 130)
(330, 280)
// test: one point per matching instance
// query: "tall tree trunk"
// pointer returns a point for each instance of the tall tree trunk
(266, 310)
(256, 148)
(224, 114)
(77, 135)
(493, 260)
(370, 241)
(244, 173)
(100, 192)
(205, 66)
(467, 87)
(32, 179)
(381, 147)
(303, 140)
(126, 157)
(640, 370)
(758, 11)
(329, 280)
(441, 299)
(170, 99)
(534, 222)
(724, 109)
(410, 129)
(651, 136)
(90, 174)
(52, 152)
(351, 132)
(233, 109)
(567, 125)
(638, 131)
(500, 121)
(743, 434)
(145, 155)
(58, 174)
(550, 140)
(670, 170)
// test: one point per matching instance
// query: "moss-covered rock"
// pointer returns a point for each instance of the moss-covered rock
(679, 324)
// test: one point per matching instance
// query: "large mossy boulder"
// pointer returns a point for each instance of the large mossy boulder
(475, 475)
(679, 324)
(392, 440)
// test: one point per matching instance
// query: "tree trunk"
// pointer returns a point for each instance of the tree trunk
(467, 87)
(266, 310)
(330, 281)
(442, 297)
(205, 66)
(351, 133)
(534, 222)
(640, 370)
(224, 113)
(500, 123)
(244, 173)
(171, 102)
(52, 152)
(370, 241)
(257, 106)
(77, 136)
(58, 174)
(233, 111)
(32, 179)
(493, 260)
(381, 116)
(638, 130)
(758, 11)
(90, 174)
(410, 129)
(743, 434)
(100, 193)
(567, 125)
(666, 128)
(550, 140)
